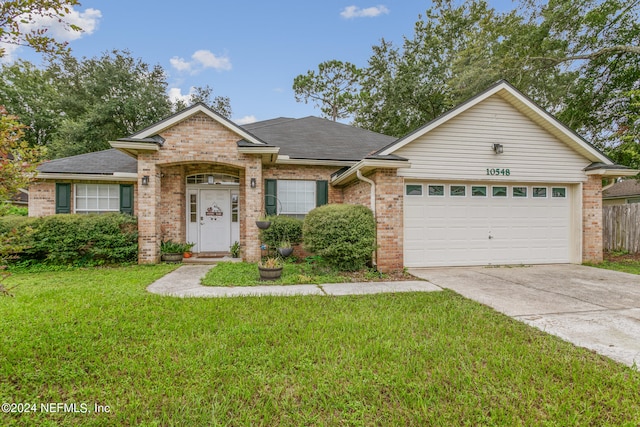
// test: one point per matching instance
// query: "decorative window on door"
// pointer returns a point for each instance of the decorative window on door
(234, 208)
(193, 208)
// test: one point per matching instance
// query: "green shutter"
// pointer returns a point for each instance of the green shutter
(270, 196)
(126, 198)
(63, 198)
(322, 193)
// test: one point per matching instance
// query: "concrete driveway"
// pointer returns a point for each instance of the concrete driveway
(590, 307)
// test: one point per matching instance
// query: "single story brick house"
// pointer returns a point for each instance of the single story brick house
(496, 180)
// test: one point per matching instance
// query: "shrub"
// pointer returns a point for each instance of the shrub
(344, 235)
(283, 228)
(7, 209)
(75, 239)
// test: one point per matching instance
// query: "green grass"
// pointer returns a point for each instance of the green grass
(627, 266)
(96, 336)
(246, 274)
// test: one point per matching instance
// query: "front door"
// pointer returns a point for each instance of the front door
(215, 220)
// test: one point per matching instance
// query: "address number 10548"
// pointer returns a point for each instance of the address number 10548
(497, 171)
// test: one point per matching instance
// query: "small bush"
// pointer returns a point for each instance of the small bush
(75, 239)
(344, 235)
(283, 228)
(8, 209)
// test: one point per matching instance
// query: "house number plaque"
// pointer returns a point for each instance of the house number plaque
(498, 171)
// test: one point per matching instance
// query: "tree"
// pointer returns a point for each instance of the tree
(105, 98)
(14, 14)
(334, 88)
(18, 161)
(29, 93)
(220, 104)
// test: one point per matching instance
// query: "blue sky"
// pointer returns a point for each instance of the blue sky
(247, 50)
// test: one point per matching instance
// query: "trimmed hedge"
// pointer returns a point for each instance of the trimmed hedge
(344, 235)
(282, 228)
(75, 239)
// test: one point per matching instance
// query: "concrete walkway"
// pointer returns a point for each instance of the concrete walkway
(185, 282)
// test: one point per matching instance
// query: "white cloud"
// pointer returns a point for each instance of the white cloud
(201, 60)
(245, 120)
(175, 94)
(87, 20)
(351, 12)
(209, 60)
(180, 64)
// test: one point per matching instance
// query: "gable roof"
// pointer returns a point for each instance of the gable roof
(318, 139)
(106, 162)
(522, 103)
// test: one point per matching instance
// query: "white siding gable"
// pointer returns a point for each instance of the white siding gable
(462, 148)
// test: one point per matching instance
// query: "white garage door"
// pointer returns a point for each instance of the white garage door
(485, 224)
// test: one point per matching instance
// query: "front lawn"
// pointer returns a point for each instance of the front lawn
(96, 337)
(293, 273)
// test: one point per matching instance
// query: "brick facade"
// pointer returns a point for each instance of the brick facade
(198, 144)
(389, 214)
(592, 219)
(42, 195)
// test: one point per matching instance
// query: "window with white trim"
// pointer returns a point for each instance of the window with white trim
(413, 189)
(559, 192)
(97, 198)
(436, 190)
(296, 197)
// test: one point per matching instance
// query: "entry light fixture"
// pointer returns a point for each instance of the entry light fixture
(209, 179)
(253, 183)
(498, 148)
(145, 180)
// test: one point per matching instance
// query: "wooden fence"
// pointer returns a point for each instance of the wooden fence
(621, 227)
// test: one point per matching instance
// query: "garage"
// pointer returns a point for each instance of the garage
(487, 223)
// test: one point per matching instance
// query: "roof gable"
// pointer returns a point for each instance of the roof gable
(523, 104)
(180, 116)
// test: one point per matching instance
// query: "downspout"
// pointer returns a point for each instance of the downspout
(373, 209)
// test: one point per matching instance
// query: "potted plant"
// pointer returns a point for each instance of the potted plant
(235, 250)
(187, 249)
(284, 248)
(263, 223)
(270, 268)
(171, 251)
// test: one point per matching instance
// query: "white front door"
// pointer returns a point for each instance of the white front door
(215, 220)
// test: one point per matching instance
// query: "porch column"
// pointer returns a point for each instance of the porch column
(389, 219)
(148, 210)
(250, 234)
(592, 219)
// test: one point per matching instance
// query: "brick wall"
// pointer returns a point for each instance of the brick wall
(592, 219)
(389, 215)
(42, 198)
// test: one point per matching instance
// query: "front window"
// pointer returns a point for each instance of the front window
(296, 197)
(97, 198)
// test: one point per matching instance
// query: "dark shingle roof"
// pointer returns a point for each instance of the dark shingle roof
(628, 187)
(316, 138)
(100, 162)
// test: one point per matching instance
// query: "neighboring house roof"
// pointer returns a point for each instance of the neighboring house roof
(106, 162)
(626, 188)
(318, 139)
